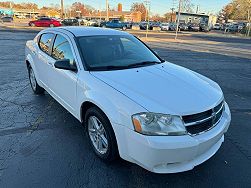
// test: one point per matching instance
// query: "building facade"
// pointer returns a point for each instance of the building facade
(127, 16)
(193, 18)
(5, 11)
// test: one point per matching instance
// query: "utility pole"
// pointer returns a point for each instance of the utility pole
(172, 14)
(107, 11)
(173, 5)
(62, 8)
(197, 9)
(178, 20)
(146, 15)
(100, 14)
(249, 24)
(147, 2)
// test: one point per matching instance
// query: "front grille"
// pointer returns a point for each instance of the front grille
(199, 127)
(201, 122)
(196, 117)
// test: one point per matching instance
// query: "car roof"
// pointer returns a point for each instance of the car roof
(79, 31)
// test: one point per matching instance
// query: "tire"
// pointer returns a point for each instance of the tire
(109, 148)
(34, 85)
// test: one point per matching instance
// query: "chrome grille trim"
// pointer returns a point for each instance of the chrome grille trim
(206, 119)
(213, 117)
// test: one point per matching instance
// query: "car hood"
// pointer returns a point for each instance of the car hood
(165, 88)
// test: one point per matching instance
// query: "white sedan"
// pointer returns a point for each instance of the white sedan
(133, 104)
(164, 26)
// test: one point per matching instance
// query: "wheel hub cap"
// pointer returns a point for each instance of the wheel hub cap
(97, 135)
(32, 79)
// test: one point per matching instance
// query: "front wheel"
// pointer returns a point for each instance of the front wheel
(101, 135)
(124, 28)
(34, 85)
(51, 25)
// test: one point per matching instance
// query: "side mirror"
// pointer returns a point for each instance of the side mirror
(65, 65)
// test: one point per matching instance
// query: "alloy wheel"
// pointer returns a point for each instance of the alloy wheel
(33, 80)
(97, 135)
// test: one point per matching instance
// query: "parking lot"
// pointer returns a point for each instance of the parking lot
(42, 145)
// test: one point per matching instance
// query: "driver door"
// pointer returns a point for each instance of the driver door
(63, 83)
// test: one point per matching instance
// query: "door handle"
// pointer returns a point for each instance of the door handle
(49, 63)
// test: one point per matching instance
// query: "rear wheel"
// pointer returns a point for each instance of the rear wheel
(51, 25)
(34, 85)
(32, 25)
(101, 135)
(124, 28)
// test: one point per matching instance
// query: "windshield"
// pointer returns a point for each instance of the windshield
(115, 52)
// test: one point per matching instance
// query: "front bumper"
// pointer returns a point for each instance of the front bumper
(171, 154)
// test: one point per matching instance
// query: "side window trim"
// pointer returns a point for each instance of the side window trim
(52, 44)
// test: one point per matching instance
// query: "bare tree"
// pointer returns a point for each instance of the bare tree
(85, 9)
(19, 5)
(139, 7)
(240, 9)
(187, 6)
(236, 10)
(225, 13)
(170, 16)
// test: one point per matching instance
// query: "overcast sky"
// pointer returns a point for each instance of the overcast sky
(157, 6)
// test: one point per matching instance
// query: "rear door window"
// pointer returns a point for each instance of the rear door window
(45, 42)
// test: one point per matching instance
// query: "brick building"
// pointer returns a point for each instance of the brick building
(128, 16)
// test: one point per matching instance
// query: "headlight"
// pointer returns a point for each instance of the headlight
(158, 124)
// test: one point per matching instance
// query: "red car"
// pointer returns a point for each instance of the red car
(45, 22)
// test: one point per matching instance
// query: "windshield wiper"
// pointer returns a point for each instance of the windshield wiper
(114, 67)
(143, 63)
(109, 67)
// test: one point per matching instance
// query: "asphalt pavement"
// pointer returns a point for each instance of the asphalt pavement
(42, 145)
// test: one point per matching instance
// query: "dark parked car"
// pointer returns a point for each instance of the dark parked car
(172, 26)
(45, 22)
(70, 22)
(116, 24)
(128, 25)
(183, 27)
(193, 27)
(143, 26)
(204, 27)
(233, 28)
(7, 19)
